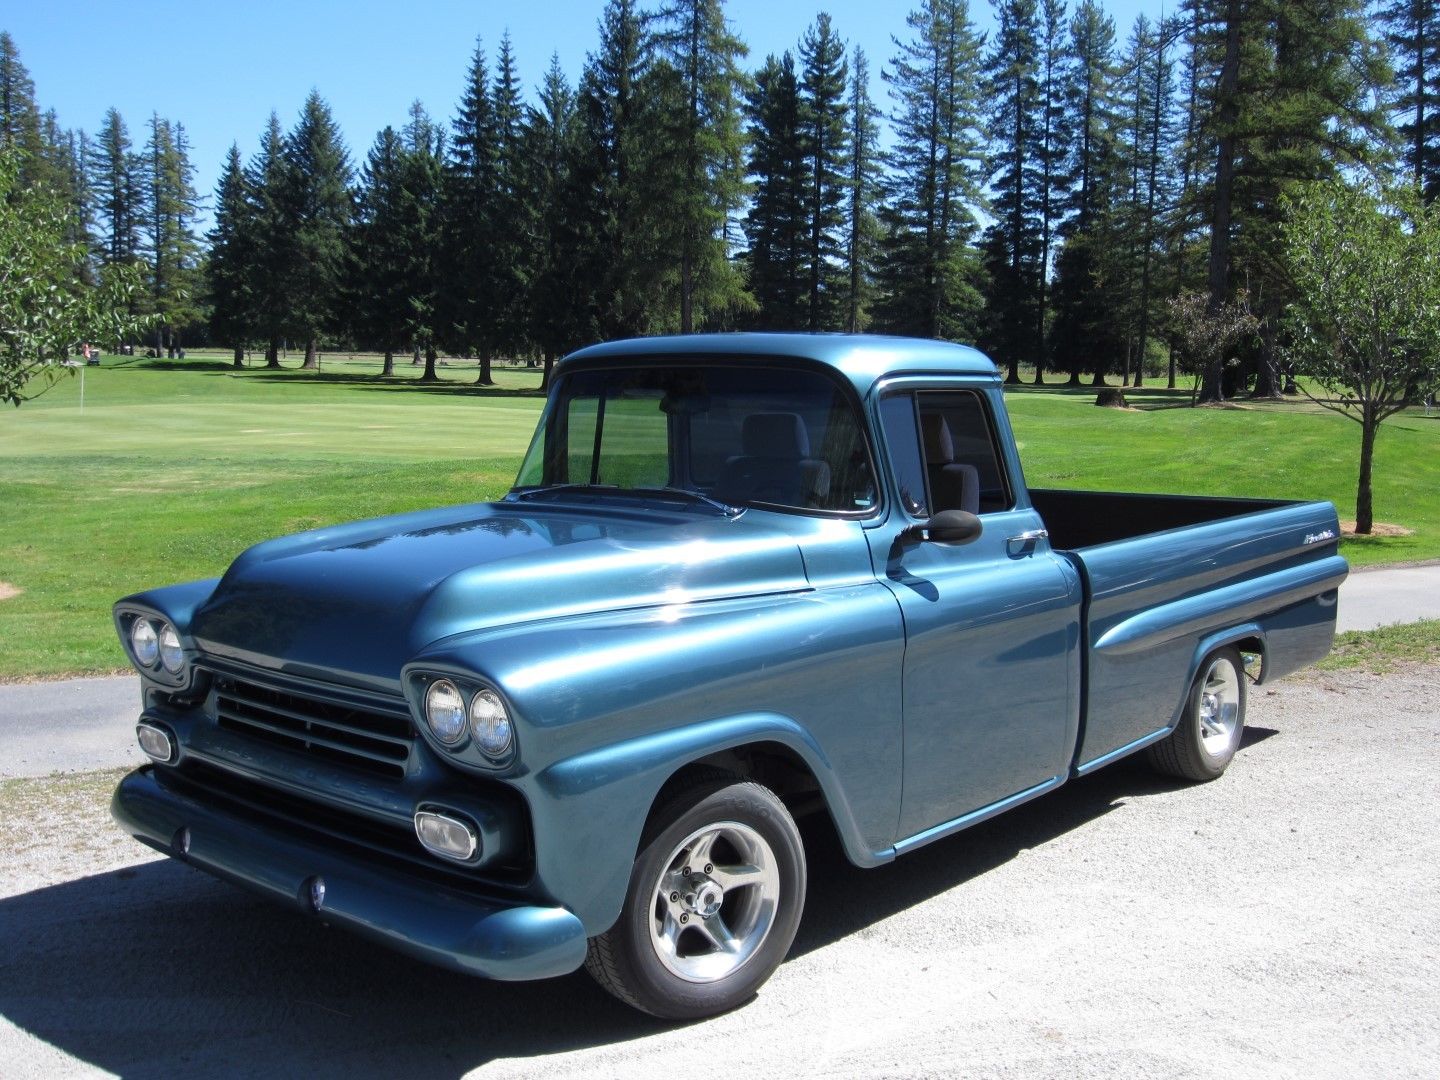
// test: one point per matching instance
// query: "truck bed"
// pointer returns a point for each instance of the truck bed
(1169, 578)
(1083, 519)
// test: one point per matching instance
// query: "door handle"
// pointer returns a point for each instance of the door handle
(1029, 535)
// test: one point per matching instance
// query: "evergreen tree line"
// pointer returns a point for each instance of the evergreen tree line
(1052, 191)
(129, 205)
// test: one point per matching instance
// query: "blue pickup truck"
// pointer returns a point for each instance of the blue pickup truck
(740, 578)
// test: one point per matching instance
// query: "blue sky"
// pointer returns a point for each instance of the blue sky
(221, 68)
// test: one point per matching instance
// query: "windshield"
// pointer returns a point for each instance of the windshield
(727, 434)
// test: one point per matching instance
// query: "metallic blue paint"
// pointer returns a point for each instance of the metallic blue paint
(458, 929)
(918, 687)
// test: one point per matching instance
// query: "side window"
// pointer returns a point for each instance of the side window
(962, 459)
(898, 418)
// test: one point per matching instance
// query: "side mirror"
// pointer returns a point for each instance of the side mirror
(946, 527)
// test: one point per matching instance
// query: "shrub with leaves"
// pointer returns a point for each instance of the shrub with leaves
(46, 310)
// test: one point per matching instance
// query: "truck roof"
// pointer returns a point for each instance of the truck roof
(862, 358)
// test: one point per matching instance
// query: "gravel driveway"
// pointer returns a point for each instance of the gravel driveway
(1280, 922)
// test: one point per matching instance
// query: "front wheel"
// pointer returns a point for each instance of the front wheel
(1211, 724)
(714, 901)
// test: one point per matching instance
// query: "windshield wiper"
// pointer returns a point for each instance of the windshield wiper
(614, 489)
(697, 496)
(552, 489)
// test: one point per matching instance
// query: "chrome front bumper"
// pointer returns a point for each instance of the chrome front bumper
(453, 928)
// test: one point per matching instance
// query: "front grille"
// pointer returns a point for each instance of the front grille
(388, 842)
(374, 741)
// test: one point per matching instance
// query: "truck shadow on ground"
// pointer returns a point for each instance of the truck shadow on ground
(158, 970)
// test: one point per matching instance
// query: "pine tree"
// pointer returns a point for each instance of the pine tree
(1295, 100)
(557, 315)
(775, 224)
(826, 154)
(1051, 148)
(471, 182)
(928, 269)
(1412, 28)
(705, 152)
(115, 179)
(1151, 151)
(1085, 333)
(377, 272)
(512, 231)
(169, 242)
(861, 227)
(19, 116)
(1013, 242)
(228, 269)
(319, 208)
(273, 252)
(624, 258)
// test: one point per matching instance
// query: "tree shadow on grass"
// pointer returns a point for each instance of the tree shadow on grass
(150, 364)
(395, 383)
(159, 970)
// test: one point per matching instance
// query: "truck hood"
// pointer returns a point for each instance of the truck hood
(358, 601)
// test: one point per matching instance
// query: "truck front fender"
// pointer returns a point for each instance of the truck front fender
(598, 802)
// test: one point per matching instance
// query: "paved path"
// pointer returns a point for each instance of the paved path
(84, 724)
(1388, 595)
(71, 725)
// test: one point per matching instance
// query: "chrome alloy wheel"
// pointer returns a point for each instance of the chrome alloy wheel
(715, 902)
(1219, 708)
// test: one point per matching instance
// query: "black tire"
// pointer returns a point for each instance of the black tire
(1211, 724)
(648, 960)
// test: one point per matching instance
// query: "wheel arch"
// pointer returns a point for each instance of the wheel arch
(1246, 637)
(772, 764)
(601, 799)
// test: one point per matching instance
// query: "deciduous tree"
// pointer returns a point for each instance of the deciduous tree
(45, 306)
(1365, 322)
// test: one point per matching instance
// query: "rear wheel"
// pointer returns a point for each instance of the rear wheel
(1212, 723)
(714, 901)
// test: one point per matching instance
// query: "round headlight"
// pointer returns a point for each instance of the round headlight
(171, 655)
(143, 642)
(445, 711)
(489, 723)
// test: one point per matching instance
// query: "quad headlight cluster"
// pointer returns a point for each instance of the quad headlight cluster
(453, 716)
(155, 644)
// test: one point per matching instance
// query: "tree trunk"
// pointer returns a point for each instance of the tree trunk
(1364, 511)
(1099, 378)
(389, 368)
(549, 367)
(687, 317)
(1170, 379)
(484, 378)
(312, 358)
(1012, 378)
(239, 356)
(272, 354)
(1228, 109)
(1267, 378)
(430, 375)
(415, 356)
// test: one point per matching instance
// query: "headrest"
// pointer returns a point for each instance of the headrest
(939, 446)
(775, 435)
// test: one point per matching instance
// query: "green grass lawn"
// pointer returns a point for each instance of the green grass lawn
(174, 467)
